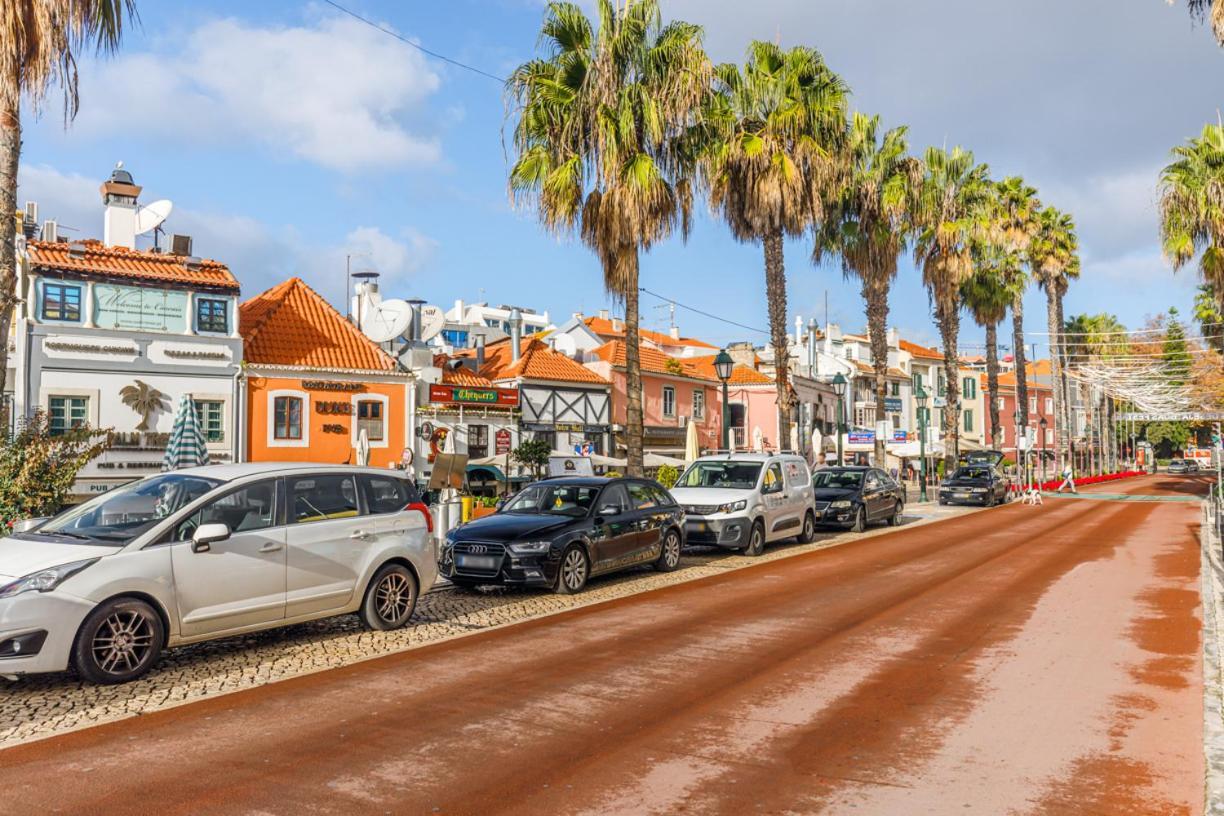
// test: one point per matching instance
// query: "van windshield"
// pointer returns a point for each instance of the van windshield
(736, 475)
(117, 517)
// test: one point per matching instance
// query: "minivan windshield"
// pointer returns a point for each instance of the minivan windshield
(115, 518)
(554, 500)
(838, 479)
(736, 475)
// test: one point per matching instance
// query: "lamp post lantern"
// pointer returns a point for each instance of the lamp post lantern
(1043, 423)
(723, 364)
(920, 396)
(839, 388)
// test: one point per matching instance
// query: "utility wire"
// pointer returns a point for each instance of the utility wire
(700, 312)
(417, 46)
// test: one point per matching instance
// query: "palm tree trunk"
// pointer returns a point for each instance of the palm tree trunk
(10, 153)
(948, 318)
(1018, 358)
(1061, 381)
(1056, 381)
(875, 293)
(633, 368)
(992, 380)
(775, 295)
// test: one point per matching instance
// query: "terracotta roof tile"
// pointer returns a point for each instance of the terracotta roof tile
(1007, 379)
(868, 368)
(653, 361)
(920, 351)
(537, 361)
(606, 330)
(90, 257)
(291, 324)
(463, 375)
(740, 374)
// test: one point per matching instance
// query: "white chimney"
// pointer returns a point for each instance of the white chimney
(674, 332)
(603, 314)
(516, 334)
(119, 195)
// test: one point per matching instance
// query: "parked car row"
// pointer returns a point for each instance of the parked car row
(216, 551)
(1182, 466)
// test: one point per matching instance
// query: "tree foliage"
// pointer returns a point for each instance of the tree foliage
(533, 454)
(38, 468)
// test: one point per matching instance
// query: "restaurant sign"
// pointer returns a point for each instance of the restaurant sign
(139, 308)
(458, 394)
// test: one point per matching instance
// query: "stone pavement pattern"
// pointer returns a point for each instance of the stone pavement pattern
(36, 707)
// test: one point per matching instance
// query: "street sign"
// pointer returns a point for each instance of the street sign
(501, 441)
(861, 437)
(1171, 416)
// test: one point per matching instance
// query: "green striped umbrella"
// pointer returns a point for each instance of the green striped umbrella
(186, 447)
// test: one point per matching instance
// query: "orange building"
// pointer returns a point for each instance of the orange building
(314, 382)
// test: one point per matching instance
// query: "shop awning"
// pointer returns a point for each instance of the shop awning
(495, 473)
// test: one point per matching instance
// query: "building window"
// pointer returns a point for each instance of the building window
(478, 441)
(968, 421)
(287, 418)
(61, 302)
(698, 404)
(896, 389)
(669, 401)
(917, 380)
(1032, 405)
(212, 315)
(370, 419)
(969, 387)
(1049, 405)
(457, 338)
(941, 386)
(1002, 404)
(67, 413)
(737, 413)
(547, 436)
(1002, 435)
(211, 416)
(1049, 433)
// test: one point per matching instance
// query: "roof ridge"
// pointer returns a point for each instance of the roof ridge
(275, 300)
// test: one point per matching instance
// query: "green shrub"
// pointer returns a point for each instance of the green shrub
(37, 469)
(667, 475)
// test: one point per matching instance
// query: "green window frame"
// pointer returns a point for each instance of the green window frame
(211, 416)
(968, 421)
(66, 413)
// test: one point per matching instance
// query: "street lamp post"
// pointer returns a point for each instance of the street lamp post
(723, 364)
(1043, 424)
(920, 396)
(1021, 457)
(839, 388)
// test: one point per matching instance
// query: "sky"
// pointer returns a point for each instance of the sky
(294, 139)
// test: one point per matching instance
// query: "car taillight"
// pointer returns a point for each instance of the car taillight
(424, 511)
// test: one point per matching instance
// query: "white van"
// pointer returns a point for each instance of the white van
(742, 501)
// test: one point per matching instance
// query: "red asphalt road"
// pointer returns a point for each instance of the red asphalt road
(1019, 660)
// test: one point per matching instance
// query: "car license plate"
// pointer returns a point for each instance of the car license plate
(961, 495)
(479, 562)
(697, 526)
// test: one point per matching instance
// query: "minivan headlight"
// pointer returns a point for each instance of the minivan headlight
(840, 503)
(733, 507)
(530, 547)
(44, 580)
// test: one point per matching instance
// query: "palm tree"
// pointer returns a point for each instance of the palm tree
(39, 43)
(773, 131)
(597, 119)
(1200, 10)
(951, 211)
(868, 225)
(1209, 318)
(1017, 208)
(1053, 253)
(987, 295)
(1192, 207)
(144, 399)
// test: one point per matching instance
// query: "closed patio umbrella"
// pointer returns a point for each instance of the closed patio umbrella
(187, 446)
(363, 448)
(692, 446)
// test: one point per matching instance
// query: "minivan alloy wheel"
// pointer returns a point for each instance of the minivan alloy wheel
(393, 597)
(123, 641)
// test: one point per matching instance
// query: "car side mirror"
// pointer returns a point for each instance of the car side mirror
(208, 534)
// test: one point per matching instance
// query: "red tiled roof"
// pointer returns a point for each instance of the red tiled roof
(1007, 379)
(90, 257)
(740, 374)
(606, 330)
(291, 324)
(460, 376)
(867, 368)
(537, 361)
(920, 351)
(652, 360)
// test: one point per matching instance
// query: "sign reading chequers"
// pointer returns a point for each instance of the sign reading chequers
(1171, 416)
(457, 394)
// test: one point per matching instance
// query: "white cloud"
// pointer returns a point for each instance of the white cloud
(338, 94)
(260, 255)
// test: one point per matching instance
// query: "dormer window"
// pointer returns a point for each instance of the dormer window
(61, 301)
(212, 315)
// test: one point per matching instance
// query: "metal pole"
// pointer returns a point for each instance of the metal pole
(841, 417)
(726, 421)
(922, 463)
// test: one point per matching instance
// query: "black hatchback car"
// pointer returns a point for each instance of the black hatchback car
(558, 533)
(853, 496)
(975, 484)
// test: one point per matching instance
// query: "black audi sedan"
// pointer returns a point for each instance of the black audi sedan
(853, 496)
(558, 533)
(975, 484)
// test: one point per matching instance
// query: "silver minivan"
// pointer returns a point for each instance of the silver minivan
(205, 553)
(743, 501)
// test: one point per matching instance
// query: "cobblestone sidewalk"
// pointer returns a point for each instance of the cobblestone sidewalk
(41, 706)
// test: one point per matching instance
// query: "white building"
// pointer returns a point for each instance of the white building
(465, 322)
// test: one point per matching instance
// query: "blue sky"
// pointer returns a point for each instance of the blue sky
(289, 135)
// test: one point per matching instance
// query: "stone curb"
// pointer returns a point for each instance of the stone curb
(1213, 675)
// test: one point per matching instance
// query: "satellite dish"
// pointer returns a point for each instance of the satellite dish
(150, 217)
(565, 344)
(433, 320)
(386, 320)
